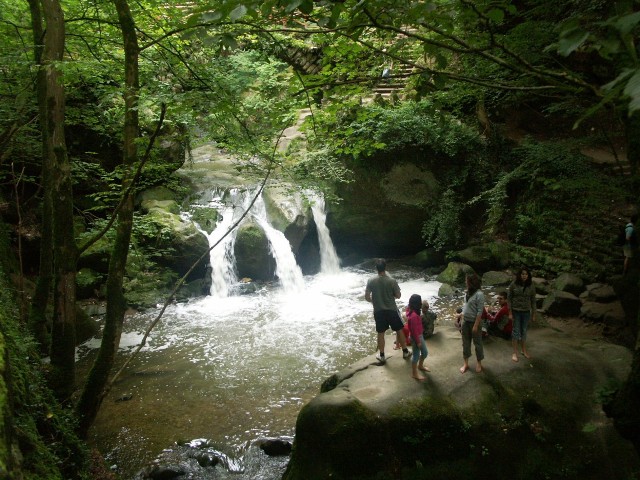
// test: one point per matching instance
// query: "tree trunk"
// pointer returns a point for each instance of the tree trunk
(40, 301)
(64, 248)
(94, 389)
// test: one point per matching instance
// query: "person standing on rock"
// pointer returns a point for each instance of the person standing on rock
(521, 298)
(472, 321)
(382, 291)
(418, 345)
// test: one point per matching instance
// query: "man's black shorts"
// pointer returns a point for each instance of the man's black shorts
(387, 318)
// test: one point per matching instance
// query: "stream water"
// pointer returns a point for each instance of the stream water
(220, 372)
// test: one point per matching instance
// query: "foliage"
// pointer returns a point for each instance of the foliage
(444, 228)
(548, 182)
(43, 430)
(361, 132)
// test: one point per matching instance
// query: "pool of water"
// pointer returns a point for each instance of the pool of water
(221, 373)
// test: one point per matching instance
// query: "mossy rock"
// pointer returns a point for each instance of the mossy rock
(496, 279)
(253, 257)
(447, 290)
(206, 218)
(461, 427)
(455, 274)
(478, 257)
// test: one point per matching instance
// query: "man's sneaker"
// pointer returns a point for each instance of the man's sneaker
(406, 353)
(381, 358)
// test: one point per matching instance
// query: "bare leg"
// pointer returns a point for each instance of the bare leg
(421, 365)
(479, 367)
(381, 342)
(402, 339)
(415, 374)
(524, 350)
(514, 343)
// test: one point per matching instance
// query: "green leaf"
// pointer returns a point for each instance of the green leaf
(571, 40)
(306, 6)
(292, 5)
(589, 428)
(496, 15)
(632, 90)
(238, 12)
(627, 23)
(211, 16)
(626, 73)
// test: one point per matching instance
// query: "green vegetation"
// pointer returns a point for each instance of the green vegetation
(38, 435)
(102, 101)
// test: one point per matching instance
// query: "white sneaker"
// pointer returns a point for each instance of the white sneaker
(406, 354)
(381, 358)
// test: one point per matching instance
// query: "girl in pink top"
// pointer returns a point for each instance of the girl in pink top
(419, 346)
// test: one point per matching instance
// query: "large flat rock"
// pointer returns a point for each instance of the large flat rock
(535, 416)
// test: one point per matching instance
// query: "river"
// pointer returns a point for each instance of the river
(223, 372)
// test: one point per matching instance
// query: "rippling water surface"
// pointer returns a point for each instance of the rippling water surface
(226, 372)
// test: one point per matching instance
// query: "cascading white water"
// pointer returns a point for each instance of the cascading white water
(287, 270)
(329, 261)
(221, 257)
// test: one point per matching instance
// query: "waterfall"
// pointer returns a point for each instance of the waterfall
(329, 261)
(221, 258)
(287, 269)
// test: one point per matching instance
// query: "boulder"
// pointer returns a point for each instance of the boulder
(478, 257)
(86, 327)
(493, 278)
(253, 257)
(275, 446)
(287, 213)
(540, 300)
(181, 241)
(447, 290)
(561, 304)
(205, 217)
(569, 282)
(426, 258)
(501, 253)
(610, 313)
(375, 421)
(455, 274)
(542, 285)
(599, 292)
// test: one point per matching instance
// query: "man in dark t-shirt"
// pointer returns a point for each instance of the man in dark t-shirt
(382, 290)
